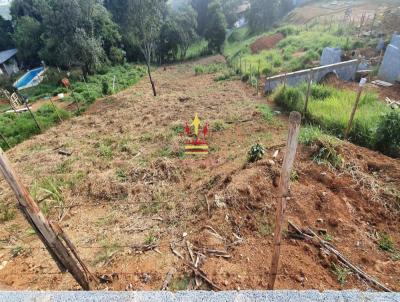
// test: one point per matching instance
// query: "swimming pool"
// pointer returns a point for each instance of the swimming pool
(30, 79)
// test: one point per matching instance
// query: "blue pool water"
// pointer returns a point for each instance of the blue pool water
(26, 80)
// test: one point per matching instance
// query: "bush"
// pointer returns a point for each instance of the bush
(388, 134)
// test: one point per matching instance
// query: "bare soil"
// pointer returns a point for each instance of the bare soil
(126, 184)
(266, 42)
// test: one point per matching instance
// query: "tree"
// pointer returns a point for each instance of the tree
(6, 30)
(169, 40)
(145, 21)
(201, 7)
(186, 20)
(27, 40)
(262, 14)
(30, 8)
(68, 24)
(88, 53)
(216, 26)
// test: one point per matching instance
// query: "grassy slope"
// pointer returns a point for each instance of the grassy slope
(297, 51)
(17, 128)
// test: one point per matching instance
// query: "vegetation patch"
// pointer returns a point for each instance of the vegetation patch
(374, 124)
(255, 153)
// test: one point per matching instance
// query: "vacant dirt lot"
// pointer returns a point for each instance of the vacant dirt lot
(127, 185)
(265, 43)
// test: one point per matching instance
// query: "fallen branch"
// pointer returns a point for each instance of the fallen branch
(144, 248)
(198, 272)
(342, 258)
(354, 268)
(175, 252)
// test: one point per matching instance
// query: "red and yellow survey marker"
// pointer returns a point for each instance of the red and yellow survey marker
(196, 146)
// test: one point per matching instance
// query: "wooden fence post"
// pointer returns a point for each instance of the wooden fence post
(310, 79)
(47, 234)
(33, 116)
(55, 109)
(240, 61)
(291, 147)
(353, 112)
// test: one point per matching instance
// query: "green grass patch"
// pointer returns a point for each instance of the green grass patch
(266, 112)
(330, 109)
(19, 127)
(209, 68)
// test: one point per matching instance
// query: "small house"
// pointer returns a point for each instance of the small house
(8, 62)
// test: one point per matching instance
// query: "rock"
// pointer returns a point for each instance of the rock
(3, 265)
(320, 220)
(146, 278)
(299, 279)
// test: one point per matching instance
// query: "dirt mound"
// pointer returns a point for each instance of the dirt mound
(266, 42)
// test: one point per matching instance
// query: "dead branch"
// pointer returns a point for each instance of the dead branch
(198, 272)
(144, 247)
(327, 246)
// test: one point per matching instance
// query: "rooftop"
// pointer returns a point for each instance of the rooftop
(6, 55)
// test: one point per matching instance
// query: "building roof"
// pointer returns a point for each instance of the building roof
(7, 54)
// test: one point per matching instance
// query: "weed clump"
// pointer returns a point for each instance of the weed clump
(255, 153)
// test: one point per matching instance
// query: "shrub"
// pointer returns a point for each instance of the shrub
(388, 134)
(255, 153)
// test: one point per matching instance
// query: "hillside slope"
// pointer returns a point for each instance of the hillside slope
(127, 184)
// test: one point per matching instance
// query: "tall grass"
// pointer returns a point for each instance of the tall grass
(330, 108)
(17, 128)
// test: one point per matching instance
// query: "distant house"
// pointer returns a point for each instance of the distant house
(8, 63)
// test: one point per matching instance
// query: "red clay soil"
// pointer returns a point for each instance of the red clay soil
(266, 42)
(126, 185)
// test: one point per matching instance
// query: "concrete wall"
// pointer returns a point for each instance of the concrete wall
(331, 56)
(201, 296)
(395, 40)
(345, 71)
(390, 67)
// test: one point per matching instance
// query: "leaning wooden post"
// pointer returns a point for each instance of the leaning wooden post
(5, 140)
(33, 116)
(353, 112)
(55, 109)
(291, 147)
(310, 79)
(48, 235)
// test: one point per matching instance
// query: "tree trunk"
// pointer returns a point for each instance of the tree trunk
(153, 86)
